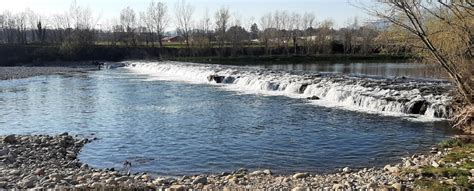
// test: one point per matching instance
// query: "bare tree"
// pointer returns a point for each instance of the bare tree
(432, 22)
(266, 23)
(295, 30)
(184, 13)
(128, 22)
(157, 18)
(222, 19)
(308, 22)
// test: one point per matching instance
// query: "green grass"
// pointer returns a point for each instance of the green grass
(460, 152)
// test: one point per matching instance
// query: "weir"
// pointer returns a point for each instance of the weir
(414, 98)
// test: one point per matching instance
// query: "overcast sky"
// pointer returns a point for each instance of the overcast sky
(340, 11)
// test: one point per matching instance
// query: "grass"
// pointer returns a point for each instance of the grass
(461, 156)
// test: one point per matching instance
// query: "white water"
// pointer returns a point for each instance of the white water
(396, 97)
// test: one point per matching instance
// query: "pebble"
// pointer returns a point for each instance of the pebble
(61, 171)
(300, 175)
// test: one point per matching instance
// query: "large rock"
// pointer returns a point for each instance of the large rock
(10, 139)
(216, 78)
(302, 88)
(418, 107)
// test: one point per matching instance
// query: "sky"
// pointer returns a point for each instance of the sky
(339, 11)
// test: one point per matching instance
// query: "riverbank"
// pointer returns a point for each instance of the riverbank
(43, 161)
(48, 68)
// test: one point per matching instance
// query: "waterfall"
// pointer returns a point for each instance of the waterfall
(413, 98)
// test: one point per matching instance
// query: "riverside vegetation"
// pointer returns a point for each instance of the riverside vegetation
(45, 162)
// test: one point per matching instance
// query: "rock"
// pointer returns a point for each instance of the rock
(241, 171)
(408, 163)
(39, 171)
(55, 176)
(300, 175)
(391, 169)
(28, 181)
(418, 107)
(201, 179)
(4, 152)
(398, 186)
(10, 139)
(3, 184)
(302, 88)
(472, 172)
(371, 186)
(346, 169)
(300, 189)
(313, 98)
(64, 134)
(15, 172)
(177, 187)
(122, 178)
(337, 187)
(434, 164)
(257, 173)
(96, 185)
(218, 79)
(268, 172)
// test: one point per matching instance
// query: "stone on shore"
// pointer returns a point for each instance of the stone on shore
(10, 139)
(300, 175)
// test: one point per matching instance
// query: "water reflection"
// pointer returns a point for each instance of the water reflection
(378, 69)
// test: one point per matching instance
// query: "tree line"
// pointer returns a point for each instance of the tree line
(291, 33)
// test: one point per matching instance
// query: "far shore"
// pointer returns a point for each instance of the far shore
(53, 164)
(45, 68)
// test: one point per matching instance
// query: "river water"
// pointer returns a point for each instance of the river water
(173, 119)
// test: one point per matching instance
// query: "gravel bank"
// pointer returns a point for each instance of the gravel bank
(43, 161)
(7, 73)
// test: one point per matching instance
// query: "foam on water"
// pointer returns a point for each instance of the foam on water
(421, 100)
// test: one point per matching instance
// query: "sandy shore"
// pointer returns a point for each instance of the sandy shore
(43, 161)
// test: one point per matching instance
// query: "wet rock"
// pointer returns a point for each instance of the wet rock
(10, 139)
(346, 169)
(302, 88)
(216, 78)
(64, 134)
(267, 171)
(313, 98)
(300, 175)
(257, 173)
(200, 180)
(418, 107)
